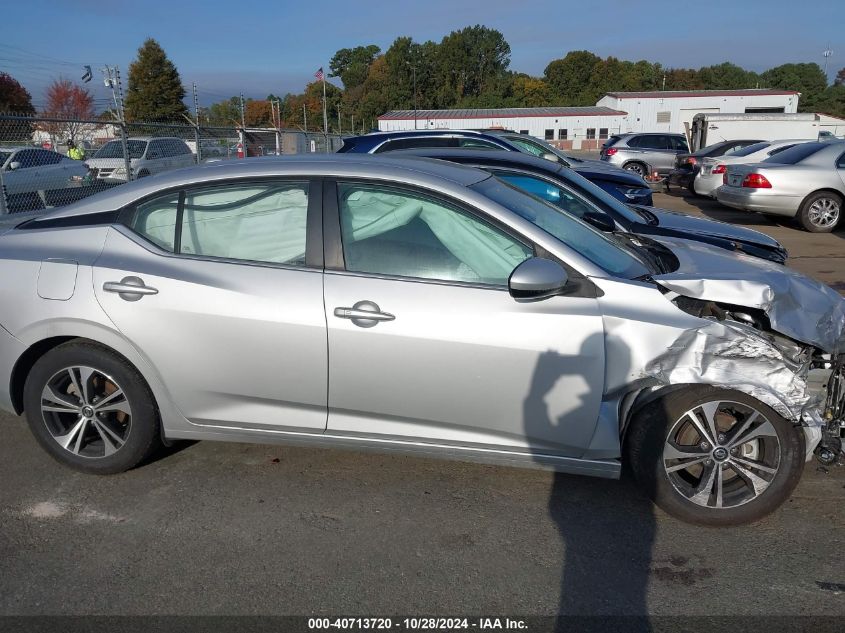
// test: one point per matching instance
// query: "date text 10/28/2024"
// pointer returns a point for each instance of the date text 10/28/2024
(417, 624)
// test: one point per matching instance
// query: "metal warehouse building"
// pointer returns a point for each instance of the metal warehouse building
(567, 128)
(667, 111)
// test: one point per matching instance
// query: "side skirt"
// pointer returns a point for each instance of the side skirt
(605, 468)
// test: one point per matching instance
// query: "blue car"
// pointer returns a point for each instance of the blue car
(577, 196)
(622, 184)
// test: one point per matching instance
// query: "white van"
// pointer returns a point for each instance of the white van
(147, 156)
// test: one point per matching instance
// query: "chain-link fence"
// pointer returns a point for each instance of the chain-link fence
(46, 162)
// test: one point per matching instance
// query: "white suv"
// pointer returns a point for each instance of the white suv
(147, 156)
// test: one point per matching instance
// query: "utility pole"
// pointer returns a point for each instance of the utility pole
(353, 123)
(197, 127)
(112, 80)
(827, 55)
(414, 69)
(304, 118)
(243, 117)
(339, 124)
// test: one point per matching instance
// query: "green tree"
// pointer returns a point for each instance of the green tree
(14, 99)
(352, 64)
(224, 113)
(840, 78)
(808, 79)
(474, 60)
(727, 76)
(832, 101)
(155, 90)
(568, 77)
(529, 92)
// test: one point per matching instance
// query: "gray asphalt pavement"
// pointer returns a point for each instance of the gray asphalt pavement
(249, 529)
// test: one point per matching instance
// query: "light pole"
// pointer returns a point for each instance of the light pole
(414, 69)
(826, 54)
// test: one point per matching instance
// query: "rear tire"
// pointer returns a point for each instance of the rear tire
(91, 410)
(638, 168)
(746, 471)
(821, 212)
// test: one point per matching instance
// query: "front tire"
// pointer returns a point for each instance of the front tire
(715, 456)
(821, 212)
(90, 409)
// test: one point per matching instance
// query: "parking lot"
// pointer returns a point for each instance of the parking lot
(253, 529)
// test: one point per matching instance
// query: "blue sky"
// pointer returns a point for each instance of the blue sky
(257, 47)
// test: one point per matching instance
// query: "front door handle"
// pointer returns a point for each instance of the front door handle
(364, 314)
(129, 288)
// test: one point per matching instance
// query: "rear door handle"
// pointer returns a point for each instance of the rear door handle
(364, 314)
(129, 288)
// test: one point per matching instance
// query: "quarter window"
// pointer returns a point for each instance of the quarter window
(156, 221)
(394, 232)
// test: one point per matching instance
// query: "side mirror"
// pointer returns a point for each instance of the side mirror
(552, 157)
(14, 165)
(536, 279)
(599, 221)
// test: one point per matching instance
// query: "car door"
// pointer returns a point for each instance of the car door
(448, 357)
(840, 169)
(229, 301)
(157, 159)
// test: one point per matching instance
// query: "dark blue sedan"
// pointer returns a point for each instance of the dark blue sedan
(620, 183)
(577, 196)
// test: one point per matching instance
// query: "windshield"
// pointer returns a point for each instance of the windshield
(603, 251)
(114, 149)
(756, 147)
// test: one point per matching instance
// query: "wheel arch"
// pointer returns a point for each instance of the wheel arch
(40, 340)
(836, 192)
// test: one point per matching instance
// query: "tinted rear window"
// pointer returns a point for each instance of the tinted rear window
(756, 147)
(796, 154)
(613, 140)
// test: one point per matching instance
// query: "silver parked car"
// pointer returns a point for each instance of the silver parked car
(147, 156)
(643, 153)
(806, 182)
(711, 173)
(30, 169)
(417, 306)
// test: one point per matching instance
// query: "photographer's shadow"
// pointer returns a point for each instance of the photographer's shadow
(607, 527)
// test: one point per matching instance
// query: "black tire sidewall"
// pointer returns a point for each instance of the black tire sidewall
(644, 450)
(804, 213)
(144, 435)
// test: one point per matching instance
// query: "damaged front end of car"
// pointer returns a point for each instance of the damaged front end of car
(779, 338)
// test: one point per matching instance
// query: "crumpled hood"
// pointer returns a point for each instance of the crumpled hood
(797, 306)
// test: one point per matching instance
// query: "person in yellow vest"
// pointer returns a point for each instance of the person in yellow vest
(74, 152)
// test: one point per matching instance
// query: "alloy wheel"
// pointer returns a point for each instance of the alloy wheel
(636, 168)
(86, 412)
(824, 212)
(721, 454)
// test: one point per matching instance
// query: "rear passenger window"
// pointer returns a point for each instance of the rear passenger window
(260, 222)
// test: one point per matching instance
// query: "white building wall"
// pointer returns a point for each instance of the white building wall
(643, 112)
(576, 126)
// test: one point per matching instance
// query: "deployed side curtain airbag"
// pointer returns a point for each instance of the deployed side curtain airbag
(490, 255)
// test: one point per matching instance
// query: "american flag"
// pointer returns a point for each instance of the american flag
(319, 74)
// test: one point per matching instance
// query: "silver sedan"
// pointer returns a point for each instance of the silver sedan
(415, 306)
(806, 182)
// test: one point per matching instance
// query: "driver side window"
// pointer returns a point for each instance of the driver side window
(400, 233)
(545, 190)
